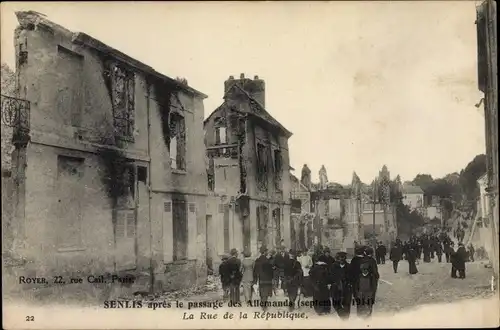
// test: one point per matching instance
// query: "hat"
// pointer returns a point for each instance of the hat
(224, 257)
(359, 250)
(234, 252)
(292, 252)
(341, 254)
(326, 249)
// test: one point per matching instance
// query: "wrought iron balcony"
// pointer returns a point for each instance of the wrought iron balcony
(16, 114)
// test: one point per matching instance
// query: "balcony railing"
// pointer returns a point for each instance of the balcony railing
(16, 114)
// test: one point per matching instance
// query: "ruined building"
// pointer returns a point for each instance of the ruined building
(379, 211)
(487, 45)
(248, 172)
(302, 216)
(107, 178)
(337, 213)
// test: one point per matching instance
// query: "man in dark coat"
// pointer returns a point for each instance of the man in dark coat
(471, 253)
(224, 278)
(396, 254)
(378, 254)
(453, 261)
(293, 278)
(447, 249)
(365, 283)
(459, 258)
(320, 279)
(280, 261)
(341, 286)
(427, 249)
(329, 258)
(263, 273)
(383, 253)
(439, 251)
(359, 254)
(235, 276)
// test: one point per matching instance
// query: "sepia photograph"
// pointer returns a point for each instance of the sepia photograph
(249, 164)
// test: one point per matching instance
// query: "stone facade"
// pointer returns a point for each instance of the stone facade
(486, 23)
(248, 172)
(302, 217)
(113, 178)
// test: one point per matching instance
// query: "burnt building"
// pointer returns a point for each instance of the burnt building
(107, 180)
(248, 172)
(487, 45)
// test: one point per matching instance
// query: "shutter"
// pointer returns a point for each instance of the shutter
(226, 228)
(131, 224)
(167, 207)
(167, 232)
(191, 231)
(120, 224)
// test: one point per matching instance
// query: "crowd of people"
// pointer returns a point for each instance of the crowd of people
(333, 282)
(430, 246)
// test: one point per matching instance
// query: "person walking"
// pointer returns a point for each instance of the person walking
(320, 279)
(365, 284)
(305, 260)
(453, 260)
(293, 277)
(383, 253)
(247, 281)
(471, 252)
(412, 258)
(396, 254)
(341, 287)
(234, 271)
(439, 251)
(224, 278)
(263, 274)
(460, 258)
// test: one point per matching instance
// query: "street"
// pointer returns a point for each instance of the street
(402, 291)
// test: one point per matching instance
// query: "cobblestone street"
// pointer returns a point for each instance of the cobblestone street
(402, 291)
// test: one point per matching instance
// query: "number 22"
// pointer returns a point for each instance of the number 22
(30, 318)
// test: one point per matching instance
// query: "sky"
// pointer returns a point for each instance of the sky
(359, 84)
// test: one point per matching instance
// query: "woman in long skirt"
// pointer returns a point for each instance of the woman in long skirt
(412, 258)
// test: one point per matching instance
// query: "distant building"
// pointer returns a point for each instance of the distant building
(413, 196)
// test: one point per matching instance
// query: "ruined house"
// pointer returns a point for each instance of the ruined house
(110, 168)
(379, 211)
(302, 216)
(248, 172)
(337, 212)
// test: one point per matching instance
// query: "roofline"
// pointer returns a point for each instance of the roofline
(212, 113)
(91, 42)
(413, 192)
(35, 18)
(288, 134)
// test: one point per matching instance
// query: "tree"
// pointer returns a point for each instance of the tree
(424, 181)
(469, 176)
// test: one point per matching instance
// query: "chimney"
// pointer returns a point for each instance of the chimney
(255, 88)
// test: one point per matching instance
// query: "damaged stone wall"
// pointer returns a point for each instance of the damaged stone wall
(82, 124)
